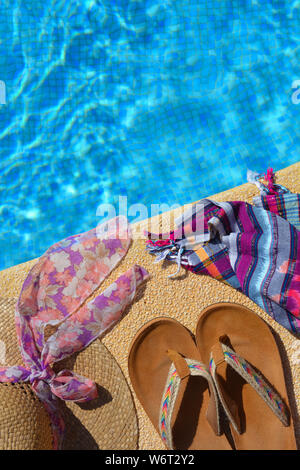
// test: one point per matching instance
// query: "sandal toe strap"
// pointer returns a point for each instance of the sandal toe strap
(222, 353)
(179, 372)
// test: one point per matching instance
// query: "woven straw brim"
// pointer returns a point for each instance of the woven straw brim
(24, 422)
(108, 422)
(182, 298)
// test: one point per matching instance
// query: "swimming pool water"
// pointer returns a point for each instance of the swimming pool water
(160, 101)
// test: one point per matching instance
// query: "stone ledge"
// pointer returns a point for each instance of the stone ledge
(182, 298)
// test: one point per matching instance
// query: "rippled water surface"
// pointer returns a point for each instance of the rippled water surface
(160, 101)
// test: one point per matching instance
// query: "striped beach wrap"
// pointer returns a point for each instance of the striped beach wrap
(254, 249)
(287, 205)
(275, 197)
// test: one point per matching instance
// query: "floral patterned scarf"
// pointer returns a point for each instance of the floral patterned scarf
(55, 293)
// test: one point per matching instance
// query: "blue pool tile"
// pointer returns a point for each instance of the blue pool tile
(160, 101)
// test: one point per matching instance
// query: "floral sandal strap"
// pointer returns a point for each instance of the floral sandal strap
(180, 371)
(222, 353)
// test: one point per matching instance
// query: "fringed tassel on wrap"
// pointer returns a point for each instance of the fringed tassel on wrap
(166, 249)
(271, 188)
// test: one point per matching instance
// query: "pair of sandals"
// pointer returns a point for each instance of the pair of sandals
(225, 390)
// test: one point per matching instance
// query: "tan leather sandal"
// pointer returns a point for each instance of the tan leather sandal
(174, 387)
(246, 367)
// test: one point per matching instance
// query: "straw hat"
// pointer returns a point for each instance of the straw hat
(108, 422)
